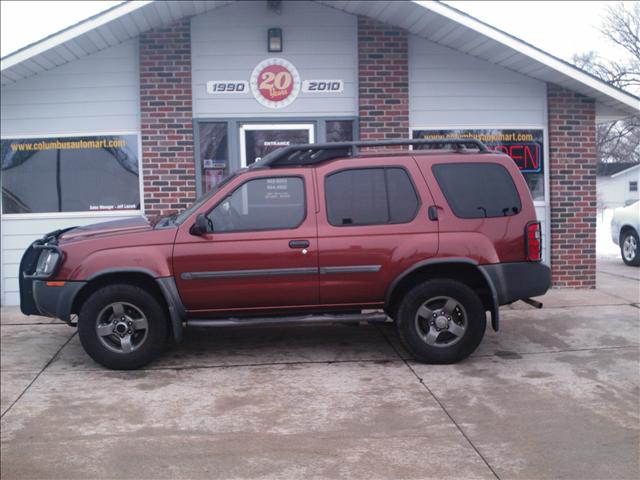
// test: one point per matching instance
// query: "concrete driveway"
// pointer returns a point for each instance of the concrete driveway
(555, 394)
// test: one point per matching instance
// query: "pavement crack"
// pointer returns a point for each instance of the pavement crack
(437, 400)
(242, 365)
(617, 275)
(55, 355)
(569, 350)
(28, 324)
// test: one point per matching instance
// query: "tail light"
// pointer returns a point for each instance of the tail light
(533, 242)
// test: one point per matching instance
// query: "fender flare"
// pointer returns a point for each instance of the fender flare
(495, 306)
(166, 285)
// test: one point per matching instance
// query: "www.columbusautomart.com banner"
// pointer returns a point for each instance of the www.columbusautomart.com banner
(524, 146)
(70, 174)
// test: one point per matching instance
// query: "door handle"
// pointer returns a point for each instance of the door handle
(433, 212)
(299, 244)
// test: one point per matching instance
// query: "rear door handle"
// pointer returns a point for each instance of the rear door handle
(298, 243)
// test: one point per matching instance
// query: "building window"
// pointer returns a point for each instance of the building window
(370, 196)
(70, 174)
(633, 186)
(339, 130)
(273, 203)
(478, 190)
(214, 153)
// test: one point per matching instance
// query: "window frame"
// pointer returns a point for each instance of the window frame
(444, 194)
(263, 177)
(85, 213)
(377, 167)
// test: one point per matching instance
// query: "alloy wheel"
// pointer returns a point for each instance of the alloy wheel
(441, 321)
(122, 327)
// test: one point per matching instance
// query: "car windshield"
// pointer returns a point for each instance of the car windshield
(181, 217)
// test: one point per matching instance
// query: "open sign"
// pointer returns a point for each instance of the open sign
(527, 156)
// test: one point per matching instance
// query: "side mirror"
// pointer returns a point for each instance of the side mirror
(201, 226)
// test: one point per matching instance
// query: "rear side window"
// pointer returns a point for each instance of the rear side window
(478, 190)
(370, 196)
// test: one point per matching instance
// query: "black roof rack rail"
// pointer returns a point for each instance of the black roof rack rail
(313, 153)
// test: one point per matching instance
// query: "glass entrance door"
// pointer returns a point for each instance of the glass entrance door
(258, 139)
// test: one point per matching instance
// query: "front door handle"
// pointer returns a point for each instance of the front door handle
(299, 244)
(433, 212)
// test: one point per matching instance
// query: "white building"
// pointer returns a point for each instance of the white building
(141, 108)
(618, 189)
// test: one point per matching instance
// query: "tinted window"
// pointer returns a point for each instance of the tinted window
(403, 200)
(261, 204)
(478, 190)
(370, 196)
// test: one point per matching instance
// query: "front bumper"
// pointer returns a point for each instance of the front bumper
(39, 295)
(515, 281)
(615, 232)
(55, 301)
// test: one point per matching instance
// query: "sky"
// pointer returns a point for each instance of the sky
(561, 28)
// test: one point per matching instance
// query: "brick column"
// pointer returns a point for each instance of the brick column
(166, 118)
(383, 80)
(572, 172)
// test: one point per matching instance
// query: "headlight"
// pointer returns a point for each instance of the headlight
(47, 262)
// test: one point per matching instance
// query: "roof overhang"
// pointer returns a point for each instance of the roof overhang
(431, 20)
(626, 170)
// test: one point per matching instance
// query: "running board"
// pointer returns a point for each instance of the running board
(291, 320)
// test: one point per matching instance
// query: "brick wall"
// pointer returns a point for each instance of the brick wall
(572, 171)
(166, 118)
(383, 75)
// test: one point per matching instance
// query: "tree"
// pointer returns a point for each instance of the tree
(618, 141)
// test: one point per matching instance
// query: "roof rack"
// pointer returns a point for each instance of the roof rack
(313, 153)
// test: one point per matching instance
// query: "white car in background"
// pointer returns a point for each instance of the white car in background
(625, 226)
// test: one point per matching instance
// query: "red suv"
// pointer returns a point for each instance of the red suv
(431, 238)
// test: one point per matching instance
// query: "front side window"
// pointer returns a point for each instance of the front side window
(272, 203)
(370, 196)
(70, 174)
(478, 190)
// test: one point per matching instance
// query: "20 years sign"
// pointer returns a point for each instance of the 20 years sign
(275, 83)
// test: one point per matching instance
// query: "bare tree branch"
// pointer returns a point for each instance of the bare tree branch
(618, 141)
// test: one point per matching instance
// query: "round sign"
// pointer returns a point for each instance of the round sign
(275, 83)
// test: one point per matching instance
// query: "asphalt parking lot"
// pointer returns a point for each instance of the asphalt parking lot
(555, 394)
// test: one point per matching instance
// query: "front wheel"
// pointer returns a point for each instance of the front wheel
(122, 327)
(441, 321)
(629, 248)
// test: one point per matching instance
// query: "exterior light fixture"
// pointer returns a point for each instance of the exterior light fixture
(274, 43)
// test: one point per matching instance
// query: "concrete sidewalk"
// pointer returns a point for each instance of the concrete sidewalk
(554, 394)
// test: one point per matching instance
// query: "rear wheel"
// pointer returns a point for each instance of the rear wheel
(629, 248)
(441, 321)
(122, 327)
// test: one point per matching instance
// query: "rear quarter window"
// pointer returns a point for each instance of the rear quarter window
(478, 190)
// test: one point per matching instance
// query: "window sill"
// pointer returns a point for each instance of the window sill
(63, 215)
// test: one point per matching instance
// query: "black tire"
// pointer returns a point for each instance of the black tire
(411, 327)
(104, 349)
(630, 236)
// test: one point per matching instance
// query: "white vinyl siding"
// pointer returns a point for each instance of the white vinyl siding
(95, 95)
(450, 89)
(227, 43)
